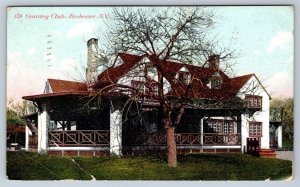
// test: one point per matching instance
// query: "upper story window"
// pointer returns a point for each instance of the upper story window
(150, 69)
(151, 90)
(184, 77)
(253, 101)
(216, 81)
(147, 91)
(139, 87)
(255, 129)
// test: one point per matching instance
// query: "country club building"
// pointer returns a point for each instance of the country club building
(115, 110)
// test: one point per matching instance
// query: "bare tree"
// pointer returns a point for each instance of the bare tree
(167, 34)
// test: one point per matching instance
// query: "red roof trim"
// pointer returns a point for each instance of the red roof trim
(40, 96)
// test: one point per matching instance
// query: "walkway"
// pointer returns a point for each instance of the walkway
(285, 155)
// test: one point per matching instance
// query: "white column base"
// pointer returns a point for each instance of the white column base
(279, 136)
(43, 123)
(26, 138)
(116, 132)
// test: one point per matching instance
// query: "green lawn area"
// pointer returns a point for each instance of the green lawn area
(31, 166)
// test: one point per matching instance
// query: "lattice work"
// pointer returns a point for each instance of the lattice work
(71, 138)
(79, 138)
(86, 138)
(189, 139)
(221, 139)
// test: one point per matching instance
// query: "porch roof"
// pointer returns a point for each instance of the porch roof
(70, 93)
(49, 95)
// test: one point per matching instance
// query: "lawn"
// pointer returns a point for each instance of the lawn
(31, 166)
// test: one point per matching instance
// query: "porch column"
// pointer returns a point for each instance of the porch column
(279, 136)
(115, 131)
(201, 131)
(43, 124)
(26, 138)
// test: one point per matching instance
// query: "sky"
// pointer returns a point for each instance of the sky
(50, 42)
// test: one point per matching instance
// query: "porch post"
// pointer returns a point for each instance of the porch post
(279, 136)
(43, 123)
(115, 131)
(26, 138)
(201, 131)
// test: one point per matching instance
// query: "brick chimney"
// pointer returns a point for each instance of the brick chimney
(92, 63)
(214, 62)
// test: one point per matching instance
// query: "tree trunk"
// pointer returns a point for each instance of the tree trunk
(171, 144)
(166, 120)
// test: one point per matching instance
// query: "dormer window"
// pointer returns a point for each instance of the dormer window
(150, 69)
(216, 81)
(253, 101)
(184, 77)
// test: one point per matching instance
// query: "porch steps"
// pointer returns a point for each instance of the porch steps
(267, 153)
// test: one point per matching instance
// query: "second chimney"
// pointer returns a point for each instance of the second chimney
(91, 73)
(214, 62)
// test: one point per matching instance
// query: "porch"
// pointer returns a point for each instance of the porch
(97, 142)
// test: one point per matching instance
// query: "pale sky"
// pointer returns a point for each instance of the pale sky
(51, 42)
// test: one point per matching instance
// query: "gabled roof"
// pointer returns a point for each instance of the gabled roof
(66, 86)
(61, 88)
(112, 74)
(198, 87)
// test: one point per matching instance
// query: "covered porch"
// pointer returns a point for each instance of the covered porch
(65, 127)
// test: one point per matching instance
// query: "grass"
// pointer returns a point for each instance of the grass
(30, 166)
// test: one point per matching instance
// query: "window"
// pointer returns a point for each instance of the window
(184, 77)
(253, 101)
(222, 126)
(216, 83)
(255, 129)
(150, 69)
(151, 91)
(154, 89)
(138, 86)
(228, 127)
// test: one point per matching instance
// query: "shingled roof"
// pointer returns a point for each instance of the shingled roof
(197, 87)
(61, 88)
(66, 86)
(112, 74)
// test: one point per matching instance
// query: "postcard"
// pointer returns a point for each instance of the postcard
(150, 93)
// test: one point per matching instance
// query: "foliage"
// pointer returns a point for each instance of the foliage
(283, 110)
(31, 166)
(15, 110)
(287, 144)
(13, 118)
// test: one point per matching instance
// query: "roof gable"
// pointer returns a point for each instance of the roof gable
(112, 74)
(200, 77)
(66, 86)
